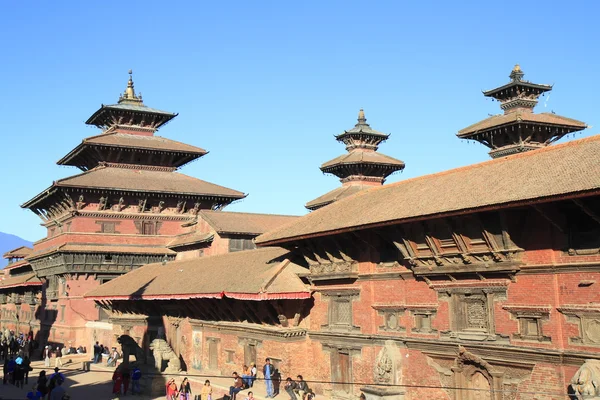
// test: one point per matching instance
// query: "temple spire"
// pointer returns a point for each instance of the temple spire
(516, 74)
(519, 129)
(361, 117)
(362, 167)
(129, 95)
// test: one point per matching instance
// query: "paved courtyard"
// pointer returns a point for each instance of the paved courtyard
(97, 384)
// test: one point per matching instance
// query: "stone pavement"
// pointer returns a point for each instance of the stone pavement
(97, 384)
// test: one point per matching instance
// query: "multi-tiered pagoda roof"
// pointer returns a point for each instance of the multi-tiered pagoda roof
(519, 129)
(128, 168)
(362, 167)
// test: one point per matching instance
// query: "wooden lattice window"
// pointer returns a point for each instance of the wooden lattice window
(241, 244)
(341, 312)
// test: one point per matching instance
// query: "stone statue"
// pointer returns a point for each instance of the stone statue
(586, 381)
(129, 347)
(383, 370)
(162, 351)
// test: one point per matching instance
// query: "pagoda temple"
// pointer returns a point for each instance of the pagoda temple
(363, 167)
(519, 129)
(121, 212)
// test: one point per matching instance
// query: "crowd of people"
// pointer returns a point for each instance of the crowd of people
(297, 389)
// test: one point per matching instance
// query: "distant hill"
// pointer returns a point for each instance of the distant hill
(9, 242)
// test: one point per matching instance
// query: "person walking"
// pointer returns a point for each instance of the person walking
(59, 392)
(97, 353)
(59, 353)
(171, 389)
(47, 356)
(268, 372)
(206, 393)
(185, 391)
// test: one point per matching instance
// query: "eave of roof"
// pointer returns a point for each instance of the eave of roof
(510, 84)
(190, 238)
(20, 281)
(22, 251)
(122, 175)
(335, 195)
(563, 171)
(363, 157)
(500, 120)
(99, 140)
(93, 248)
(130, 107)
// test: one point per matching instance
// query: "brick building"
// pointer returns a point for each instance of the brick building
(477, 282)
(20, 293)
(128, 207)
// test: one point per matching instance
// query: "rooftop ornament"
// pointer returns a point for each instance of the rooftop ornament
(129, 97)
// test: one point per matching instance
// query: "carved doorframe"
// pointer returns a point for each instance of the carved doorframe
(466, 366)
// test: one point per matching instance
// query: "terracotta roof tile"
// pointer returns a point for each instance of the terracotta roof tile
(565, 169)
(105, 177)
(244, 223)
(335, 195)
(363, 157)
(20, 280)
(19, 252)
(250, 275)
(187, 239)
(98, 248)
(504, 119)
(115, 139)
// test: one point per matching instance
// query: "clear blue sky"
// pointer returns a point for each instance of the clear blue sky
(264, 86)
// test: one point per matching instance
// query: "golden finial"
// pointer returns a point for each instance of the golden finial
(361, 116)
(516, 74)
(129, 95)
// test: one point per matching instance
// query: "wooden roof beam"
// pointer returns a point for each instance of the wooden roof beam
(587, 210)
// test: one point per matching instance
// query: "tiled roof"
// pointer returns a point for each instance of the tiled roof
(187, 239)
(104, 177)
(562, 170)
(244, 223)
(20, 280)
(98, 248)
(363, 157)
(504, 119)
(16, 264)
(115, 139)
(249, 275)
(335, 195)
(19, 252)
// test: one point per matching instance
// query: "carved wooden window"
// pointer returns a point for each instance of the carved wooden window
(241, 244)
(103, 314)
(423, 321)
(107, 227)
(472, 312)
(341, 312)
(148, 228)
